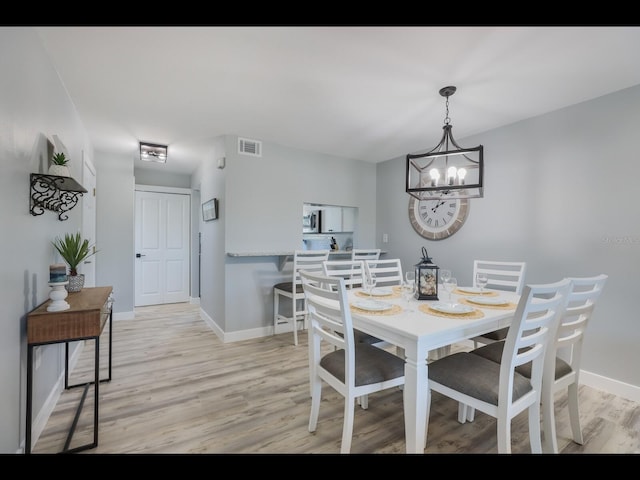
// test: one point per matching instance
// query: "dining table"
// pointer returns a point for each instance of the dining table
(417, 327)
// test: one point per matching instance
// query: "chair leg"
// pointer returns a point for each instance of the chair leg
(276, 306)
(347, 428)
(574, 414)
(534, 428)
(426, 426)
(462, 412)
(504, 434)
(364, 401)
(316, 393)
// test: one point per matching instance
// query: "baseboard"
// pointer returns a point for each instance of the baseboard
(616, 387)
(194, 300)
(227, 337)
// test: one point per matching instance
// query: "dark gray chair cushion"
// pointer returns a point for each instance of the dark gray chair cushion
(361, 337)
(475, 376)
(288, 287)
(373, 364)
(497, 335)
(493, 352)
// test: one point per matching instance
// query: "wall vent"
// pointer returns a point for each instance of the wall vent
(250, 147)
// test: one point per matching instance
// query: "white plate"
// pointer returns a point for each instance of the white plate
(381, 291)
(451, 308)
(482, 300)
(372, 305)
(470, 289)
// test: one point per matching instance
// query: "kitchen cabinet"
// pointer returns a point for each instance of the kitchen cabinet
(337, 219)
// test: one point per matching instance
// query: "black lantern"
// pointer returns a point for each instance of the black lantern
(426, 278)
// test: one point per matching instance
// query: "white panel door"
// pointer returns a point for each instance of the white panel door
(162, 248)
(88, 267)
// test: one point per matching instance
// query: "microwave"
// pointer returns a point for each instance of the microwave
(311, 222)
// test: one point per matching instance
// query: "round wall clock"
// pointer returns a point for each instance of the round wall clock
(438, 218)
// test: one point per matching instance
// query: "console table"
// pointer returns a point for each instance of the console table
(90, 308)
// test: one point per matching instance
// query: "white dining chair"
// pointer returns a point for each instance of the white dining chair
(353, 370)
(562, 367)
(365, 254)
(310, 260)
(501, 275)
(388, 272)
(499, 389)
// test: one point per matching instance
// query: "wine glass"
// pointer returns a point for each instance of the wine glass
(450, 285)
(445, 275)
(481, 281)
(410, 276)
(408, 291)
(369, 282)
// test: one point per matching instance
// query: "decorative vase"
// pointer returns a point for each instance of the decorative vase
(61, 170)
(76, 282)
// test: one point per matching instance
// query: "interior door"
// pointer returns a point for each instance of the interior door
(162, 224)
(88, 267)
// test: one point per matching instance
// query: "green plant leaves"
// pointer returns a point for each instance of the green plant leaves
(73, 249)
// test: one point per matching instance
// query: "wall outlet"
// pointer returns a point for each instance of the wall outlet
(385, 238)
(38, 353)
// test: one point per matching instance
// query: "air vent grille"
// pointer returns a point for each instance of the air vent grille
(250, 147)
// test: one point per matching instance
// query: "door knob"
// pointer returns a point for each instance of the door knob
(138, 255)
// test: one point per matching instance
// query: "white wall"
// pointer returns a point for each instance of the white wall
(34, 107)
(561, 194)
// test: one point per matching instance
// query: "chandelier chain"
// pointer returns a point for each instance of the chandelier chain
(447, 120)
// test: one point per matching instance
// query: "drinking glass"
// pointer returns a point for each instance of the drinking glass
(369, 283)
(445, 275)
(481, 281)
(450, 285)
(408, 292)
(410, 276)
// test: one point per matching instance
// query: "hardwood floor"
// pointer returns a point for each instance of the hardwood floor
(177, 389)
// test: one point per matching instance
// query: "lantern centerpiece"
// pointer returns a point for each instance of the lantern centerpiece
(426, 278)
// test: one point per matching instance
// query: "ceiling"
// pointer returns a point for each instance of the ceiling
(368, 93)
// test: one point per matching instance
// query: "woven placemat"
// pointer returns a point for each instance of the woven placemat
(463, 316)
(506, 306)
(469, 294)
(395, 294)
(394, 310)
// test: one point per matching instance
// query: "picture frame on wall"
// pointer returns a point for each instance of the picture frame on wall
(210, 210)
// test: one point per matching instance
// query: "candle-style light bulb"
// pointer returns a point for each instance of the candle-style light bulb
(451, 175)
(435, 176)
(462, 172)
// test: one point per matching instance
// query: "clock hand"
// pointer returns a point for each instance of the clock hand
(436, 207)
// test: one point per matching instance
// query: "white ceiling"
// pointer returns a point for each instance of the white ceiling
(368, 93)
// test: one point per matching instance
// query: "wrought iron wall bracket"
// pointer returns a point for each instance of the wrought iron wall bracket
(55, 193)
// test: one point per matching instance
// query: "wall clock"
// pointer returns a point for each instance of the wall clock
(438, 218)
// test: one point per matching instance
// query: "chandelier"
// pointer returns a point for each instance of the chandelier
(152, 152)
(448, 169)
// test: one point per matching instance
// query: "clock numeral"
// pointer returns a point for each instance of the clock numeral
(436, 223)
(429, 221)
(450, 214)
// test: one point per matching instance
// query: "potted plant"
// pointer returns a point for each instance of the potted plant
(74, 249)
(59, 165)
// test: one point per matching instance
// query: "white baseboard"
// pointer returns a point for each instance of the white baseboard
(194, 300)
(616, 387)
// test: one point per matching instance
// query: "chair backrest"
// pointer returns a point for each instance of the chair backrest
(532, 332)
(309, 260)
(387, 271)
(502, 275)
(329, 319)
(349, 270)
(365, 254)
(581, 301)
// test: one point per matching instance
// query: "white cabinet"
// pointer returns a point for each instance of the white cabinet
(331, 220)
(337, 219)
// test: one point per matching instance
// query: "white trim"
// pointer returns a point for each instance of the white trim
(615, 387)
(160, 189)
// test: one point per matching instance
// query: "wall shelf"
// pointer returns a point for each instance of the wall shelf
(55, 193)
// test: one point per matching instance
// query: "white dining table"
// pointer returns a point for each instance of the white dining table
(418, 333)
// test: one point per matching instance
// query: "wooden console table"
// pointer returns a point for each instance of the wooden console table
(89, 311)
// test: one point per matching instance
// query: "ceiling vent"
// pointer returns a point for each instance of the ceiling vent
(250, 147)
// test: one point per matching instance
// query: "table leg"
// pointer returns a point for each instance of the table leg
(415, 399)
(27, 442)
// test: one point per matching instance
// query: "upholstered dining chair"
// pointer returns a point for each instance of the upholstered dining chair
(507, 276)
(365, 253)
(562, 368)
(353, 369)
(388, 272)
(499, 389)
(310, 260)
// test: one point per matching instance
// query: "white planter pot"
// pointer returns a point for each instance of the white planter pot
(61, 170)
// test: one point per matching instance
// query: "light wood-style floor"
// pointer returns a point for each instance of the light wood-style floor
(176, 388)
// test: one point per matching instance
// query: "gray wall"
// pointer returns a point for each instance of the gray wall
(34, 106)
(561, 194)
